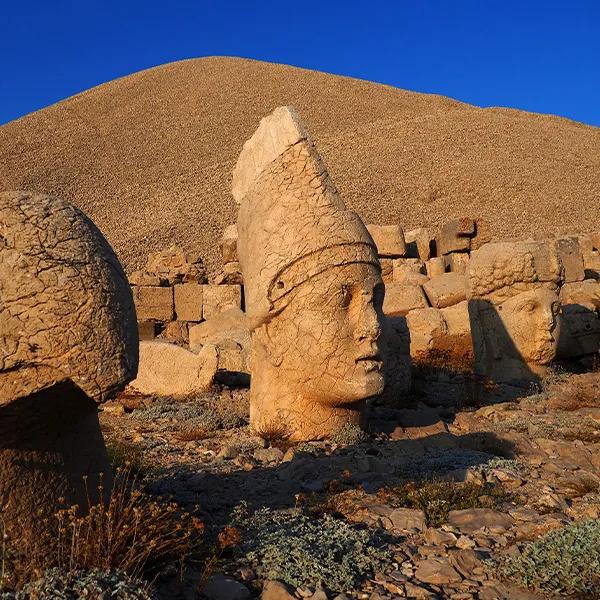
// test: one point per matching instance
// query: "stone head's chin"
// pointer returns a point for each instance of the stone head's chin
(544, 353)
(366, 384)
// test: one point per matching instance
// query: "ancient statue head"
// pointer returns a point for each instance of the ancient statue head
(313, 287)
(514, 308)
(66, 312)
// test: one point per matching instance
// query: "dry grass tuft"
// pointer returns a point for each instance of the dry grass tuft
(275, 433)
(131, 532)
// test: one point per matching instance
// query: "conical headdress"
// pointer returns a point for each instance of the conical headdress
(292, 222)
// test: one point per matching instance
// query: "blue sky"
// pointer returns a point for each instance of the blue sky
(542, 56)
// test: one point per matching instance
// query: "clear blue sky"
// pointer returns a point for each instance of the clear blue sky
(542, 56)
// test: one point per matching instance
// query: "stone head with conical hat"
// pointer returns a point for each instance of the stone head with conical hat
(313, 285)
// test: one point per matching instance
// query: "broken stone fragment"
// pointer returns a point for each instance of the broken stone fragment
(154, 303)
(401, 298)
(219, 298)
(229, 244)
(569, 254)
(143, 278)
(446, 289)
(176, 266)
(188, 301)
(169, 370)
(435, 266)
(389, 240)
(455, 236)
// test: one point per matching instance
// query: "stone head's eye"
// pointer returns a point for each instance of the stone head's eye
(280, 284)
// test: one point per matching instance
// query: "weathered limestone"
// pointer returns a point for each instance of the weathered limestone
(569, 254)
(419, 243)
(589, 244)
(389, 240)
(445, 290)
(580, 333)
(457, 262)
(313, 287)
(229, 244)
(401, 298)
(169, 370)
(455, 236)
(219, 298)
(231, 335)
(435, 266)
(154, 303)
(405, 269)
(188, 301)
(68, 340)
(513, 307)
(441, 332)
(173, 265)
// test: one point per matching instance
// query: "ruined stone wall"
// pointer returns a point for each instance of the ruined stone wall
(426, 290)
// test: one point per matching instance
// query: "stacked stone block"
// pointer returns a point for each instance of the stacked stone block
(173, 293)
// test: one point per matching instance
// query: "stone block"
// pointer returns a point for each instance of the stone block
(589, 244)
(401, 298)
(219, 298)
(569, 253)
(230, 275)
(446, 290)
(584, 293)
(188, 301)
(143, 278)
(229, 244)
(435, 266)
(387, 269)
(483, 233)
(403, 269)
(580, 333)
(457, 262)
(146, 330)
(389, 240)
(153, 302)
(176, 332)
(425, 326)
(458, 342)
(455, 236)
(420, 243)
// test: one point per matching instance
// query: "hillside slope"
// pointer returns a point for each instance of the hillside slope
(149, 156)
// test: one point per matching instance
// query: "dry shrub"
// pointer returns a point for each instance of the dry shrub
(131, 532)
(194, 434)
(128, 457)
(275, 433)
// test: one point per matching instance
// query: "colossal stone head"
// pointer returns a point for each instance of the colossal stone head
(514, 307)
(313, 287)
(66, 313)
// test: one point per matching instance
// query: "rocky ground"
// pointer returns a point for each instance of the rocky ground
(435, 502)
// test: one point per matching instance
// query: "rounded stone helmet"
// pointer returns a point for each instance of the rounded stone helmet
(66, 308)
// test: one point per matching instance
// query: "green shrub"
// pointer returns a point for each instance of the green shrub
(437, 498)
(349, 435)
(83, 584)
(304, 551)
(565, 562)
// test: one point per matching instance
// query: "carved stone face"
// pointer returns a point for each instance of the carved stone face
(531, 320)
(325, 342)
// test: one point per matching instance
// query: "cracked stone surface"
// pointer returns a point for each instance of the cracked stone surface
(66, 312)
(313, 286)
